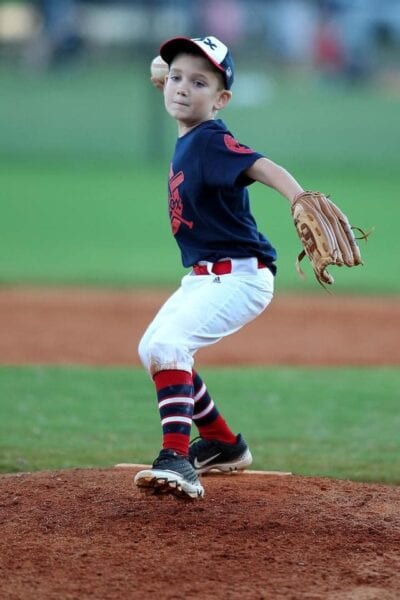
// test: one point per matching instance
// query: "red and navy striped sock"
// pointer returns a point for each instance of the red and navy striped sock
(206, 417)
(175, 403)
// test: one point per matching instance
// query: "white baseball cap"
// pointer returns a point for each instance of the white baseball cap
(212, 48)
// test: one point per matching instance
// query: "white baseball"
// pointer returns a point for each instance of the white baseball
(158, 69)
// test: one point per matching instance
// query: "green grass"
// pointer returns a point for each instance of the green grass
(110, 112)
(324, 422)
(83, 200)
(96, 224)
(107, 224)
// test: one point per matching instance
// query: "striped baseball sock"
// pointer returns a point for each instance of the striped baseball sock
(175, 403)
(206, 417)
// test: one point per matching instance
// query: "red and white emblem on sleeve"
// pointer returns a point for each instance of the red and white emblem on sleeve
(235, 146)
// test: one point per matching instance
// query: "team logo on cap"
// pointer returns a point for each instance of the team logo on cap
(208, 42)
(214, 48)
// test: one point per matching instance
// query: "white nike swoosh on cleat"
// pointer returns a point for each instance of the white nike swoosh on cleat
(199, 465)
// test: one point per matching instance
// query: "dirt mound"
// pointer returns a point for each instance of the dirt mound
(80, 534)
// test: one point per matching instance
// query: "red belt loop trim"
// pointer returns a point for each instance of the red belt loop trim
(222, 267)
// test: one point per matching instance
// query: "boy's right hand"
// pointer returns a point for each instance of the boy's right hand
(157, 83)
(159, 70)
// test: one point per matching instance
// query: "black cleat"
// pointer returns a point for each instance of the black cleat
(171, 473)
(206, 455)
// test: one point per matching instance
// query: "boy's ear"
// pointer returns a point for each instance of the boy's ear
(223, 99)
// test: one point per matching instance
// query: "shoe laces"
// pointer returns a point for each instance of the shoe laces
(165, 455)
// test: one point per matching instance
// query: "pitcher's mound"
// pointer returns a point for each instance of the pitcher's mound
(80, 534)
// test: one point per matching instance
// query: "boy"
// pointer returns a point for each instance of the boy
(232, 265)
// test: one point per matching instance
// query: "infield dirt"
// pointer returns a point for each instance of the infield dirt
(103, 327)
(89, 534)
(81, 534)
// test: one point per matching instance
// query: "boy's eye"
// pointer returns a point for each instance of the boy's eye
(198, 83)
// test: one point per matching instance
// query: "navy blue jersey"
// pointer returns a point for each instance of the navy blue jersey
(208, 197)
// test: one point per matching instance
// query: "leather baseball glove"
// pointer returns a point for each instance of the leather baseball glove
(326, 235)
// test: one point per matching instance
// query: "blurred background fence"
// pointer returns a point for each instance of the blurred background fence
(81, 128)
(352, 37)
(99, 53)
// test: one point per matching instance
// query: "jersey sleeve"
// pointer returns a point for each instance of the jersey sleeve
(225, 160)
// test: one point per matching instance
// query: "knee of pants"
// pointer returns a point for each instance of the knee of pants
(143, 352)
(160, 355)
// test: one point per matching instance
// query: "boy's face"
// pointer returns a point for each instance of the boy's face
(193, 91)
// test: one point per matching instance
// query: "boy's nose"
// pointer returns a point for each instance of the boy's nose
(182, 91)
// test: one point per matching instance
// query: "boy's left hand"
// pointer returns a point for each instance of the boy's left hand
(326, 235)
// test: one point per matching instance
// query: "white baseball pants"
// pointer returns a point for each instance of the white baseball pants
(203, 310)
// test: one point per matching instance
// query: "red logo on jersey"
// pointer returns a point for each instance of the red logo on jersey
(175, 202)
(234, 145)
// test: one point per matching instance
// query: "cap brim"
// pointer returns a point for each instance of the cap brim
(172, 47)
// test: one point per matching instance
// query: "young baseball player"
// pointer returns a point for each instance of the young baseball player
(231, 265)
